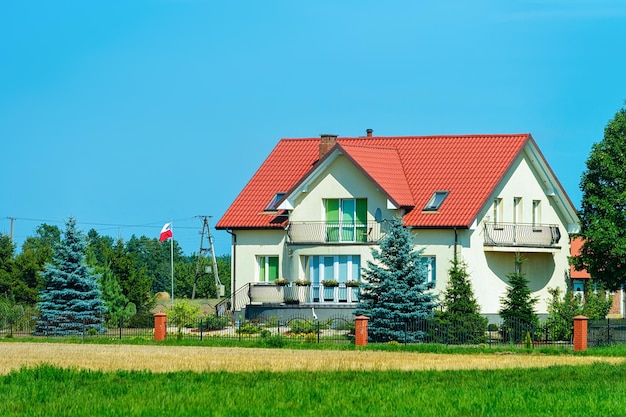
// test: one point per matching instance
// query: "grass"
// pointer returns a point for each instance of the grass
(597, 389)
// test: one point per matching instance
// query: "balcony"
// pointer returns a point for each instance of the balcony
(334, 233)
(513, 236)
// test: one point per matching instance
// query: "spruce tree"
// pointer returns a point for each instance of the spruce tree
(70, 303)
(461, 312)
(395, 294)
(518, 306)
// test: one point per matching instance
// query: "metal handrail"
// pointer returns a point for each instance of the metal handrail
(520, 234)
(335, 232)
(234, 302)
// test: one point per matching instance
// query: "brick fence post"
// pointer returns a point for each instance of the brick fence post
(580, 333)
(361, 330)
(160, 326)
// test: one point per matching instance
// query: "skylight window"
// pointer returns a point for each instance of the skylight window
(273, 205)
(436, 200)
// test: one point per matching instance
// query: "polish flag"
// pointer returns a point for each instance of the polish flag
(166, 232)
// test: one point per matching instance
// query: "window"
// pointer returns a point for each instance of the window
(346, 219)
(497, 210)
(578, 286)
(340, 268)
(273, 204)
(536, 212)
(517, 210)
(268, 268)
(436, 200)
(431, 265)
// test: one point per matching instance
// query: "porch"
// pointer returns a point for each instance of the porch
(269, 295)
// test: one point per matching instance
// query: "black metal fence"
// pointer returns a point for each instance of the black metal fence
(338, 329)
(513, 333)
(606, 332)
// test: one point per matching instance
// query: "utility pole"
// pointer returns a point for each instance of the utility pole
(11, 232)
(201, 252)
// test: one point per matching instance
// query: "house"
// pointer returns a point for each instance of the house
(317, 206)
(579, 278)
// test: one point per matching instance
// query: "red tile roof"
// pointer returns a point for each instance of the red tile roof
(408, 169)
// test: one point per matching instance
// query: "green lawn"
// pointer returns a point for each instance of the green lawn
(598, 389)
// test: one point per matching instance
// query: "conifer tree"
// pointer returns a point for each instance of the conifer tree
(518, 306)
(395, 292)
(461, 312)
(119, 308)
(70, 303)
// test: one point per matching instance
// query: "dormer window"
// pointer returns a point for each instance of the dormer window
(273, 204)
(436, 200)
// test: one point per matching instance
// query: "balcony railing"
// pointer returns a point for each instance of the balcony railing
(335, 233)
(524, 235)
(262, 293)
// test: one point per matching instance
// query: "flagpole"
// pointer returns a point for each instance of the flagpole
(172, 259)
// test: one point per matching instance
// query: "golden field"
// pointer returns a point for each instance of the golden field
(15, 355)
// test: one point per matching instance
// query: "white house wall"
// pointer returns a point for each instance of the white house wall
(488, 269)
(253, 243)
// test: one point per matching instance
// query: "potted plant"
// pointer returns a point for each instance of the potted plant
(352, 283)
(330, 283)
(281, 281)
(303, 286)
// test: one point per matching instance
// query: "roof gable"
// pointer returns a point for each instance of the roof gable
(384, 167)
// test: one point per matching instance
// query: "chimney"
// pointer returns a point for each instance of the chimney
(369, 132)
(327, 141)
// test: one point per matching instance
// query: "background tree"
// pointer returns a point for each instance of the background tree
(155, 258)
(518, 306)
(461, 312)
(29, 264)
(70, 302)
(395, 291)
(603, 212)
(134, 281)
(7, 279)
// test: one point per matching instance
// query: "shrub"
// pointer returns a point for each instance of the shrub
(248, 328)
(215, 323)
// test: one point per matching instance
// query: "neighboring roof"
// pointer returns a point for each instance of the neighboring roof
(408, 169)
(576, 246)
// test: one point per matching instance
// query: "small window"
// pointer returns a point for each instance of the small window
(273, 205)
(430, 262)
(436, 200)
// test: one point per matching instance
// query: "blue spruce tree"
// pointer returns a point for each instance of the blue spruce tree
(395, 294)
(70, 303)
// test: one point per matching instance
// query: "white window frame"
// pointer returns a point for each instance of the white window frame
(431, 266)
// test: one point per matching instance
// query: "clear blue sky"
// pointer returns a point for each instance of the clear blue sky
(126, 114)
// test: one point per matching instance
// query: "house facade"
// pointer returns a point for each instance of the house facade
(317, 206)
